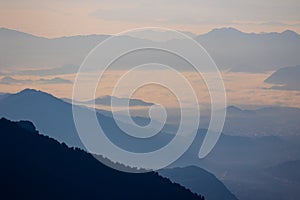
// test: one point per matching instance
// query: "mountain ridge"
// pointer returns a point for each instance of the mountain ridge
(230, 48)
(53, 170)
(228, 29)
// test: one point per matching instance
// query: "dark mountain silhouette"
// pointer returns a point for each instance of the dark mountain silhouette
(236, 160)
(196, 180)
(38, 167)
(55, 120)
(286, 78)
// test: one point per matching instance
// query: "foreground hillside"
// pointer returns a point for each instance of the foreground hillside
(38, 167)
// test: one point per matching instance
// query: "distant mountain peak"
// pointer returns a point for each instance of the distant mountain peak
(30, 90)
(233, 31)
(107, 99)
(36, 95)
(12, 33)
(290, 32)
(233, 108)
(8, 78)
(225, 30)
(228, 29)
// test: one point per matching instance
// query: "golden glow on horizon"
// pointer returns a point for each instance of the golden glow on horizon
(63, 18)
(242, 89)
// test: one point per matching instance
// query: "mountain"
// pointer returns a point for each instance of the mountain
(53, 117)
(280, 181)
(238, 161)
(38, 167)
(106, 101)
(20, 49)
(56, 120)
(287, 171)
(3, 95)
(50, 56)
(196, 180)
(7, 80)
(286, 78)
(251, 52)
(265, 121)
(234, 155)
(231, 49)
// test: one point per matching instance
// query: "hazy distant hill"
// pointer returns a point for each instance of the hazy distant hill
(38, 167)
(286, 171)
(266, 121)
(7, 80)
(286, 78)
(197, 179)
(24, 50)
(106, 101)
(251, 52)
(230, 48)
(53, 117)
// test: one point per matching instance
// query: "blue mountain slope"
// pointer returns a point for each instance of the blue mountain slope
(286, 78)
(53, 117)
(197, 179)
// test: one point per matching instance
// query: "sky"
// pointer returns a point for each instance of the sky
(73, 17)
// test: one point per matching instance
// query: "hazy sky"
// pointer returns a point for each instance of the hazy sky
(72, 17)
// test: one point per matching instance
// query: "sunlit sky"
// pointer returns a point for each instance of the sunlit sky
(57, 18)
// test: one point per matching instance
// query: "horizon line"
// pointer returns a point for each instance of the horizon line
(99, 34)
